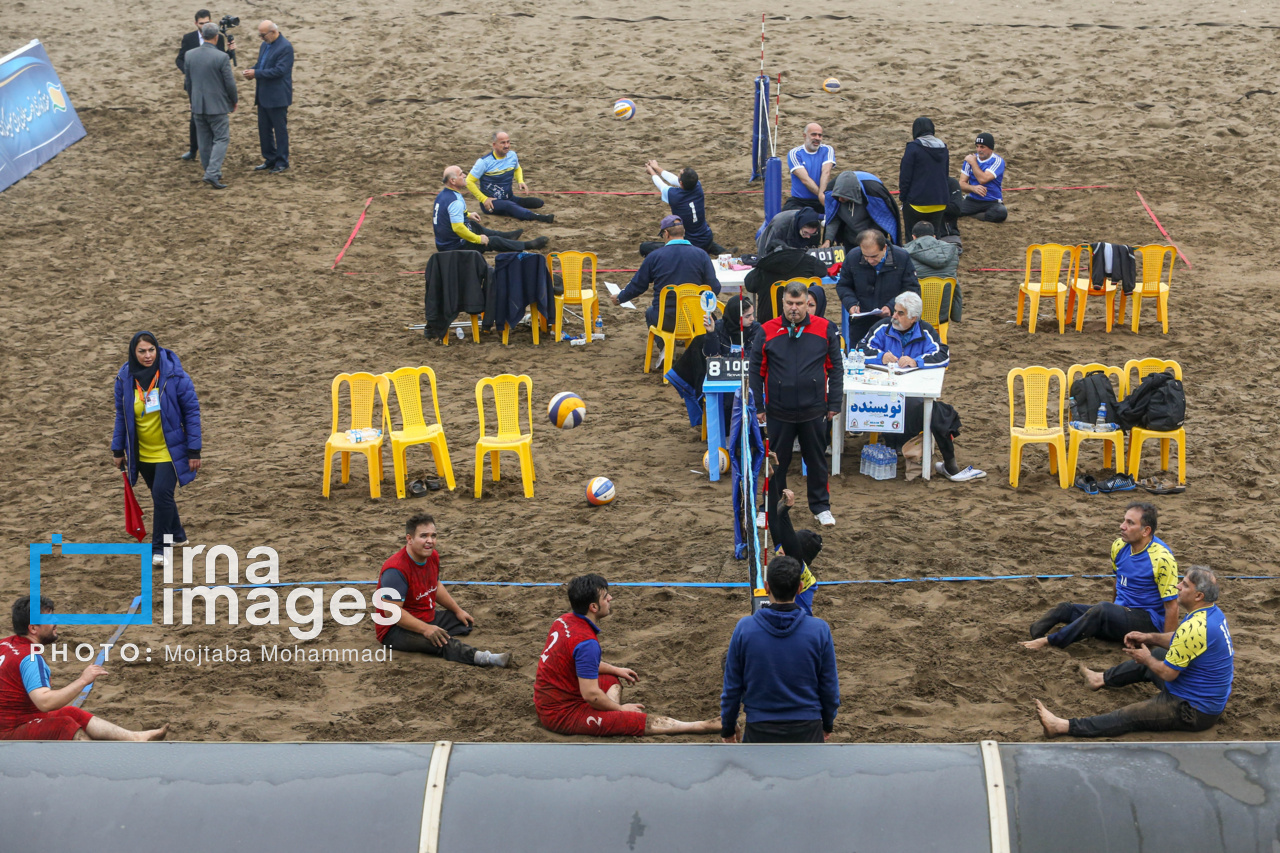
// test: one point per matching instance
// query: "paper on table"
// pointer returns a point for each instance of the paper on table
(614, 290)
(875, 313)
(894, 369)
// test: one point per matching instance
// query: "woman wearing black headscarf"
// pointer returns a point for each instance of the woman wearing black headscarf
(923, 190)
(790, 229)
(722, 337)
(157, 432)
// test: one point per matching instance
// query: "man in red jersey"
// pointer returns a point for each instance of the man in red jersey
(576, 693)
(414, 573)
(30, 709)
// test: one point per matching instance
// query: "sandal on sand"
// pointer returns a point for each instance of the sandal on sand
(1117, 483)
(1162, 483)
(418, 488)
(1087, 483)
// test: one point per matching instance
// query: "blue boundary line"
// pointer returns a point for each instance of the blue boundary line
(729, 584)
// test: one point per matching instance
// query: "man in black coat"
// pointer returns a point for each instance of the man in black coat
(872, 277)
(190, 41)
(273, 73)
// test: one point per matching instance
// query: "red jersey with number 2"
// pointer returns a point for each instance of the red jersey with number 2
(555, 688)
(423, 580)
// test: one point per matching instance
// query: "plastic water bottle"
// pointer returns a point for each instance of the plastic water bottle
(1101, 424)
(461, 335)
(859, 365)
(598, 331)
(579, 341)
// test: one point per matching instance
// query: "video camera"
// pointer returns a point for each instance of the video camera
(229, 22)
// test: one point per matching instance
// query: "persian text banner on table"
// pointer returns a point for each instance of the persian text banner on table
(875, 411)
(36, 117)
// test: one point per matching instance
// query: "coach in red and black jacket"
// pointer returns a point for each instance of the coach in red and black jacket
(796, 370)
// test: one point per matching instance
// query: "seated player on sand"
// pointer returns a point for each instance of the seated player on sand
(414, 573)
(1194, 674)
(30, 708)
(576, 693)
(802, 545)
(687, 201)
(494, 179)
(909, 342)
(1146, 590)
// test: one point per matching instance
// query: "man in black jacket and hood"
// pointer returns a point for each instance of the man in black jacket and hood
(872, 277)
(922, 178)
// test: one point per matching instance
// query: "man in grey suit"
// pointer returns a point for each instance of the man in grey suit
(213, 98)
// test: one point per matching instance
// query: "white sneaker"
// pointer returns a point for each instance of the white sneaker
(157, 559)
(825, 518)
(760, 522)
(961, 476)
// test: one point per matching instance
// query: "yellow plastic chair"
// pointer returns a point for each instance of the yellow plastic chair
(934, 293)
(571, 268)
(363, 387)
(408, 386)
(1138, 435)
(1036, 428)
(688, 323)
(1051, 255)
(1113, 440)
(475, 330)
(1082, 287)
(506, 401)
(536, 320)
(1154, 283)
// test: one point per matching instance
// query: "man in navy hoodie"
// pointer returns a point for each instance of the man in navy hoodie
(781, 667)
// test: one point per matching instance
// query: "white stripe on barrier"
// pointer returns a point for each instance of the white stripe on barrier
(997, 807)
(433, 800)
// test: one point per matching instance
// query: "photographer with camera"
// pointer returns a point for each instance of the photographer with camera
(274, 73)
(224, 42)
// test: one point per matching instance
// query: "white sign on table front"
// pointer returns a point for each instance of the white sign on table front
(875, 411)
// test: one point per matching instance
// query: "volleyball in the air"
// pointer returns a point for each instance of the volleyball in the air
(831, 85)
(566, 410)
(624, 109)
(600, 491)
(724, 460)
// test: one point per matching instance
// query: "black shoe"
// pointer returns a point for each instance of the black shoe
(510, 235)
(190, 155)
(545, 217)
(1117, 483)
(275, 170)
(216, 183)
(534, 245)
(262, 167)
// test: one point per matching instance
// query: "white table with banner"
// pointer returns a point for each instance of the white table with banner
(872, 407)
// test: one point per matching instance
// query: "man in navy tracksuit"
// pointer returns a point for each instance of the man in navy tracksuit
(678, 262)
(781, 666)
(796, 370)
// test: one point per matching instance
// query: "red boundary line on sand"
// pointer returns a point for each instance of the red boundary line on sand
(1162, 231)
(364, 212)
(354, 232)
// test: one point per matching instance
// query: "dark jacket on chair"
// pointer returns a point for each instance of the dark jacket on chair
(1123, 266)
(520, 279)
(456, 282)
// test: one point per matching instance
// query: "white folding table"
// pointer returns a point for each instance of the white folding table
(925, 384)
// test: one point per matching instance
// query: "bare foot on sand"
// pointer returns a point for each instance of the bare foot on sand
(1035, 645)
(154, 734)
(1093, 677)
(1053, 726)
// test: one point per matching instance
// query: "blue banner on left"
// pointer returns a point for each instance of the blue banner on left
(36, 117)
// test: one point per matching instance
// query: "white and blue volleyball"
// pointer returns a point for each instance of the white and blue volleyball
(600, 491)
(624, 109)
(566, 410)
(831, 85)
(724, 461)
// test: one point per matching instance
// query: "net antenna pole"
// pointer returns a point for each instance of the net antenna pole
(756, 558)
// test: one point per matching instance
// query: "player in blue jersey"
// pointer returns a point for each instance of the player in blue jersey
(810, 165)
(496, 176)
(687, 201)
(1193, 667)
(982, 184)
(1146, 590)
(454, 229)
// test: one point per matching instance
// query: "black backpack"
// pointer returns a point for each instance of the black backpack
(1088, 393)
(1159, 403)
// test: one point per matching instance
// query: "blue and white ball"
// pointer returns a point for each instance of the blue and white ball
(624, 108)
(724, 461)
(600, 491)
(566, 410)
(831, 85)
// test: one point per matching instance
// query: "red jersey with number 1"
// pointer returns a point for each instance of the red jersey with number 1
(423, 580)
(555, 688)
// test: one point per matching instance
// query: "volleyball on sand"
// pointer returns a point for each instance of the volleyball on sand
(600, 491)
(624, 109)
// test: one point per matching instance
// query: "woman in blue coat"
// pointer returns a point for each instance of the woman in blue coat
(157, 432)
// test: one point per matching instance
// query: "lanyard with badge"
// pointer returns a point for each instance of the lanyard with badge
(150, 397)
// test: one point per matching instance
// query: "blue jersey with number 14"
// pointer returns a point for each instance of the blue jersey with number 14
(688, 205)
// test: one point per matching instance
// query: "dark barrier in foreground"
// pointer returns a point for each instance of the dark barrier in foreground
(640, 797)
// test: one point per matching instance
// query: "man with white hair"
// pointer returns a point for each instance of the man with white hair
(908, 342)
(494, 179)
(274, 73)
(810, 166)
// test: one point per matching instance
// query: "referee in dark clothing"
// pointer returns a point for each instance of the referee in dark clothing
(797, 370)
(191, 41)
